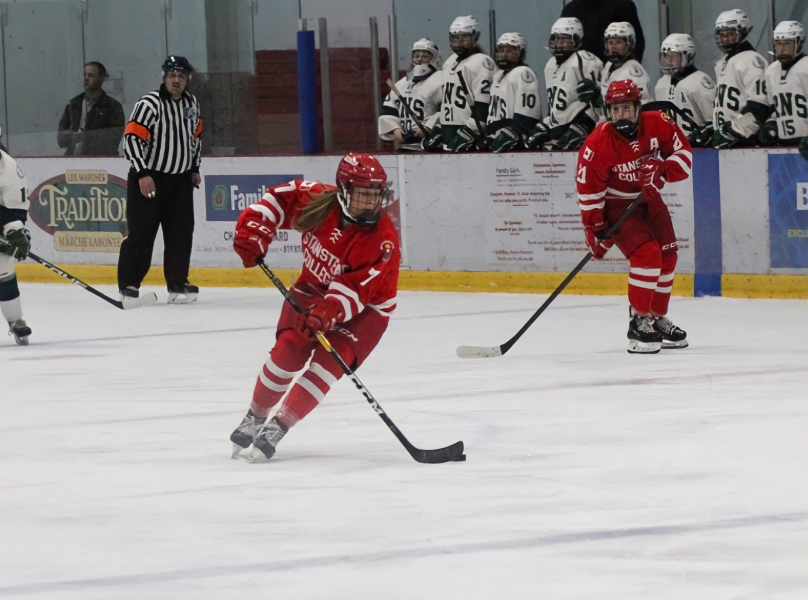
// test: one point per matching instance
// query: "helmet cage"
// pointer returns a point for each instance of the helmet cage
(789, 31)
(732, 20)
(682, 44)
(556, 37)
(369, 215)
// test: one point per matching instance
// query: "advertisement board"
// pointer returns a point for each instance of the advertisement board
(788, 211)
(78, 206)
(512, 212)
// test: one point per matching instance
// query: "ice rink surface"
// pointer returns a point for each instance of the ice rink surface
(591, 473)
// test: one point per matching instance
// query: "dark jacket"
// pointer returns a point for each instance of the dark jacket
(103, 128)
(597, 15)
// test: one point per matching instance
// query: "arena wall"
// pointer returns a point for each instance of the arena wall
(478, 222)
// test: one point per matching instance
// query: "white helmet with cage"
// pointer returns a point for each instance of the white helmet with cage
(516, 40)
(790, 31)
(732, 20)
(565, 27)
(434, 64)
(463, 26)
(622, 29)
(676, 42)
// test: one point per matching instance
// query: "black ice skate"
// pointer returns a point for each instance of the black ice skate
(244, 435)
(267, 440)
(672, 336)
(642, 337)
(182, 294)
(20, 330)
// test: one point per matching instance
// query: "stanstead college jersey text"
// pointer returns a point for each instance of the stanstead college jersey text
(356, 266)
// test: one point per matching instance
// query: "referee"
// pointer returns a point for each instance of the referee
(162, 141)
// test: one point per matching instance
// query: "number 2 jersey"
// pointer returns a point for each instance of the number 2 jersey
(356, 266)
(610, 166)
(693, 93)
(741, 95)
(562, 80)
(787, 92)
(478, 73)
(514, 100)
(422, 96)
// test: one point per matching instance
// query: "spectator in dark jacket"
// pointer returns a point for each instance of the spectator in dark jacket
(92, 123)
(596, 15)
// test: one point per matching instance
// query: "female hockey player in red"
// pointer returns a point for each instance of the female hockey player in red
(348, 287)
(636, 153)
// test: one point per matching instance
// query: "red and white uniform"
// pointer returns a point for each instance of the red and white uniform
(355, 266)
(610, 178)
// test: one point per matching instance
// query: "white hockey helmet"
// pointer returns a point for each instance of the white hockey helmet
(517, 40)
(790, 31)
(435, 63)
(732, 20)
(464, 26)
(622, 29)
(570, 27)
(676, 42)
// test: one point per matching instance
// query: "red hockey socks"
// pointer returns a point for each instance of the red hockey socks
(287, 358)
(311, 388)
(645, 267)
(662, 295)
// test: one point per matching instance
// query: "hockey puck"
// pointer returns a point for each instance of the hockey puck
(460, 458)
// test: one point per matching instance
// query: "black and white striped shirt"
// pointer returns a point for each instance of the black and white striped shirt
(163, 134)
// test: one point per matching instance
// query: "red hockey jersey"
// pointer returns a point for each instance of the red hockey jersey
(610, 166)
(357, 266)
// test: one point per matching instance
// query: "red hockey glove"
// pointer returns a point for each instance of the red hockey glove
(252, 237)
(653, 174)
(323, 314)
(598, 246)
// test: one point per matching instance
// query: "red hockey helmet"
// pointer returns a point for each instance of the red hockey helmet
(623, 92)
(363, 189)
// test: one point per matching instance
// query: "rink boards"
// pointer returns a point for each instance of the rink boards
(480, 222)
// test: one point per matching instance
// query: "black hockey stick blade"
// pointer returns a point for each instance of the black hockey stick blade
(147, 300)
(490, 352)
(453, 453)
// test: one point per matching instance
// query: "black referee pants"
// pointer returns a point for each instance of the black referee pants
(173, 209)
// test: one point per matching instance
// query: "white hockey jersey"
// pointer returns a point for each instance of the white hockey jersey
(739, 79)
(478, 71)
(515, 92)
(562, 80)
(787, 92)
(694, 95)
(631, 69)
(423, 98)
(13, 190)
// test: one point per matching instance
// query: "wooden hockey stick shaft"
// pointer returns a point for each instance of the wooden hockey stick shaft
(441, 455)
(407, 108)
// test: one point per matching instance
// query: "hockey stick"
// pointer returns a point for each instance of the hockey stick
(407, 108)
(441, 455)
(146, 300)
(489, 352)
(470, 98)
